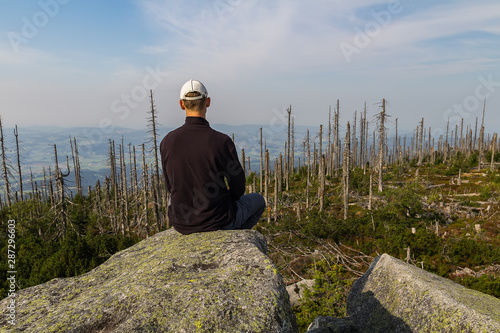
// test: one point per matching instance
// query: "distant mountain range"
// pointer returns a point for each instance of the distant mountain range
(37, 146)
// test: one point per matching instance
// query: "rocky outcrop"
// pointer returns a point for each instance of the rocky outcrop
(219, 281)
(393, 296)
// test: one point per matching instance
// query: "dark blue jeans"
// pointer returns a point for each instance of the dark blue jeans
(250, 208)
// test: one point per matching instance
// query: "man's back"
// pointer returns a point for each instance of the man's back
(197, 161)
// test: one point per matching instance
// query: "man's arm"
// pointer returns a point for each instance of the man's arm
(237, 179)
(163, 164)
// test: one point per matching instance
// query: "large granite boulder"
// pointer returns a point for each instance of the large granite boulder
(393, 296)
(219, 281)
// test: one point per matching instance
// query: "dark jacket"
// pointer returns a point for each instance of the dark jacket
(197, 161)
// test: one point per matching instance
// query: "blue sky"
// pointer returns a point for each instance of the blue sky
(90, 63)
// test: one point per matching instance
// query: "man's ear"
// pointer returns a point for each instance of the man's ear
(207, 102)
(181, 103)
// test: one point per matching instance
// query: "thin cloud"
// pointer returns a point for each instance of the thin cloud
(444, 21)
(29, 56)
(303, 36)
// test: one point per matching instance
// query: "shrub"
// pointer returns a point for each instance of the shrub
(462, 162)
(251, 177)
(487, 156)
(404, 201)
(360, 181)
(328, 296)
(486, 284)
(470, 253)
(489, 190)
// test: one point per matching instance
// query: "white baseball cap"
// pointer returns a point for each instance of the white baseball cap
(193, 86)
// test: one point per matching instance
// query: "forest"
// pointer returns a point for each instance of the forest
(334, 202)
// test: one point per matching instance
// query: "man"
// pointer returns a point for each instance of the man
(203, 174)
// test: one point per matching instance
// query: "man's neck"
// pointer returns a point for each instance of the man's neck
(201, 114)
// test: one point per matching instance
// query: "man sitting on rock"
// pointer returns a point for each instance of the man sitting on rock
(203, 174)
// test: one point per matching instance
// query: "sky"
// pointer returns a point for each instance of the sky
(92, 63)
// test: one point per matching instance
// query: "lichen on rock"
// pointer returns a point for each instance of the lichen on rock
(219, 281)
(393, 296)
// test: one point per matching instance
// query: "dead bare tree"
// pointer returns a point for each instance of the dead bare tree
(381, 117)
(261, 161)
(321, 182)
(280, 173)
(62, 197)
(292, 148)
(469, 141)
(114, 189)
(475, 133)
(396, 148)
(315, 158)
(446, 144)
(153, 123)
(421, 144)
(461, 140)
(76, 165)
(275, 203)
(320, 146)
(329, 149)
(266, 177)
(481, 138)
(33, 185)
(243, 161)
(370, 196)
(493, 143)
(345, 170)
(366, 156)
(354, 141)
(336, 135)
(364, 140)
(16, 134)
(5, 166)
(136, 194)
(124, 188)
(308, 169)
(288, 154)
(145, 186)
(430, 148)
